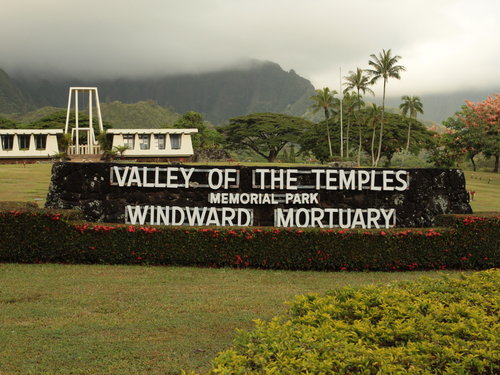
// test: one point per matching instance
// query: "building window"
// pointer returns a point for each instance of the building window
(160, 141)
(41, 141)
(128, 140)
(144, 141)
(175, 141)
(24, 141)
(7, 142)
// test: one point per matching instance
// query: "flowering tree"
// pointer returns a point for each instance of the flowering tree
(485, 117)
(476, 129)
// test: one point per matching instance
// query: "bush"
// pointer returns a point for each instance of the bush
(39, 235)
(447, 326)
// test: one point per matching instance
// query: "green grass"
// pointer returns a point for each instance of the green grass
(31, 182)
(28, 182)
(487, 188)
(61, 319)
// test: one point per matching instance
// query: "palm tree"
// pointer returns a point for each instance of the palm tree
(350, 102)
(412, 105)
(374, 113)
(359, 82)
(121, 149)
(324, 100)
(360, 103)
(384, 66)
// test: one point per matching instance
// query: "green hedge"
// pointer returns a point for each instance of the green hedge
(447, 326)
(38, 235)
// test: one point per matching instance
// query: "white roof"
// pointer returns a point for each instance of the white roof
(31, 131)
(152, 131)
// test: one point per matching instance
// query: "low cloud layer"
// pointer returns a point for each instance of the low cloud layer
(445, 45)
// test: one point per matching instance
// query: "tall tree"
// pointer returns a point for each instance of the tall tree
(325, 100)
(485, 117)
(373, 115)
(207, 136)
(413, 106)
(264, 133)
(350, 103)
(358, 81)
(384, 66)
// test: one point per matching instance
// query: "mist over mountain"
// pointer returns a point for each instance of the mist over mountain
(219, 95)
(261, 87)
(438, 107)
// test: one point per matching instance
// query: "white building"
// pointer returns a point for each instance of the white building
(142, 143)
(28, 143)
(156, 143)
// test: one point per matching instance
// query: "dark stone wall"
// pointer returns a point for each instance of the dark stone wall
(87, 186)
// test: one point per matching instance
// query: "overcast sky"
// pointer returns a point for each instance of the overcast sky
(445, 45)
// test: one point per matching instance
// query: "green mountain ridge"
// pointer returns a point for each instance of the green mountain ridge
(263, 87)
(145, 114)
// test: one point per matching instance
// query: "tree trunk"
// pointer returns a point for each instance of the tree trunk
(359, 148)
(471, 157)
(347, 137)
(408, 140)
(341, 133)
(381, 127)
(373, 146)
(495, 170)
(328, 133)
(273, 154)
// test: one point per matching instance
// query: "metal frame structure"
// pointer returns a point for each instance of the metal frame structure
(91, 147)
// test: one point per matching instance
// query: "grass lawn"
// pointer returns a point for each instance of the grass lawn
(487, 188)
(62, 319)
(25, 183)
(31, 182)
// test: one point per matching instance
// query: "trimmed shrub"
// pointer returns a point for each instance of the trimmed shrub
(39, 235)
(447, 326)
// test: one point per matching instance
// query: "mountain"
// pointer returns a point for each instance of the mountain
(145, 114)
(261, 87)
(258, 87)
(12, 98)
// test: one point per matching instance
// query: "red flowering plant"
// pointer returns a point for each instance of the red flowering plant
(462, 242)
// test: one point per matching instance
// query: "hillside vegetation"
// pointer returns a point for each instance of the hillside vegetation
(145, 114)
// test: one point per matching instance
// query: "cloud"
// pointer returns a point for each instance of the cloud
(444, 44)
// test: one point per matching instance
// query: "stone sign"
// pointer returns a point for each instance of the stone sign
(165, 194)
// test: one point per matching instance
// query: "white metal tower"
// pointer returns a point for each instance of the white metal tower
(91, 146)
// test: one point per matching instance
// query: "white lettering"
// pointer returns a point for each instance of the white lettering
(121, 179)
(388, 215)
(317, 173)
(363, 178)
(134, 177)
(404, 181)
(145, 182)
(187, 175)
(373, 217)
(137, 214)
(347, 183)
(195, 215)
(172, 179)
(157, 178)
(280, 220)
(220, 180)
(291, 179)
(331, 180)
(228, 214)
(387, 180)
